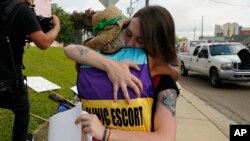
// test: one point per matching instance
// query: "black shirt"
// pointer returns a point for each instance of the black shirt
(24, 23)
(165, 82)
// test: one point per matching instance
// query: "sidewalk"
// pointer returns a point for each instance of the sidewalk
(197, 121)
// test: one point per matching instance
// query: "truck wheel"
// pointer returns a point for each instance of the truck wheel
(215, 79)
(184, 71)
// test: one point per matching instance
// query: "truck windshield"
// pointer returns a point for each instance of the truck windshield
(226, 49)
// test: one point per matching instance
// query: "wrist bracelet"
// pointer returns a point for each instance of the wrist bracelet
(104, 137)
(106, 134)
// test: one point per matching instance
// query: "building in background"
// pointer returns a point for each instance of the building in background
(243, 36)
(245, 31)
(218, 30)
(54, 7)
(232, 32)
(228, 29)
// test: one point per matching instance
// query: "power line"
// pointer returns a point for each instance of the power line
(231, 4)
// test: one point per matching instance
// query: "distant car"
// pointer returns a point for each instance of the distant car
(218, 61)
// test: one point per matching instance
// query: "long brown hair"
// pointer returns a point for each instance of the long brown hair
(158, 29)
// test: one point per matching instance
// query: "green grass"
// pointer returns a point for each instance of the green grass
(53, 66)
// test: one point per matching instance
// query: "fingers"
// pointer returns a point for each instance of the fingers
(84, 124)
(85, 121)
(135, 88)
(125, 93)
(55, 19)
(123, 78)
(88, 130)
(91, 124)
(82, 117)
(138, 83)
(56, 23)
(133, 65)
(78, 120)
(115, 92)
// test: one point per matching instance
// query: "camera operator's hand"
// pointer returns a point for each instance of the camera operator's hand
(56, 22)
(44, 40)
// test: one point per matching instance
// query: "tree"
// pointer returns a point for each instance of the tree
(66, 34)
(81, 22)
(177, 39)
(73, 25)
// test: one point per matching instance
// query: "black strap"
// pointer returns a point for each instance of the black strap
(7, 19)
(8, 15)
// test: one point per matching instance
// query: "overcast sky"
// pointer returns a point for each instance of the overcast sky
(187, 14)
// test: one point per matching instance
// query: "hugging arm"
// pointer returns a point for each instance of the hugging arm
(164, 122)
(118, 72)
(173, 72)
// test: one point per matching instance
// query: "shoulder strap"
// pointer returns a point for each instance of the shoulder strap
(7, 10)
(7, 16)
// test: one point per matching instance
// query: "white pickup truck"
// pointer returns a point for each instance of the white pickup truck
(219, 61)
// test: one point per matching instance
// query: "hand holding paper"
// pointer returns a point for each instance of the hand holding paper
(62, 126)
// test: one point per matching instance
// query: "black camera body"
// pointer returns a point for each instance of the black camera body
(46, 23)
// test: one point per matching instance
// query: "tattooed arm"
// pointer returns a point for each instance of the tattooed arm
(118, 72)
(168, 98)
(164, 122)
(164, 119)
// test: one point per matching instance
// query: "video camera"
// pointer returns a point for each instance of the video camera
(46, 23)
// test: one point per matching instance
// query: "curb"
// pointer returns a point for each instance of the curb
(219, 120)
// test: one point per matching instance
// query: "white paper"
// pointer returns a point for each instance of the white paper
(40, 84)
(74, 89)
(62, 126)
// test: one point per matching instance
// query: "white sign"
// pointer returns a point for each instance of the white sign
(62, 125)
(74, 89)
(40, 84)
(107, 3)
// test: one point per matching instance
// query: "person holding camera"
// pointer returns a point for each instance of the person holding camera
(17, 22)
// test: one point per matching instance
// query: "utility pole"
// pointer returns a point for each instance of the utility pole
(202, 28)
(107, 3)
(130, 9)
(146, 3)
(194, 32)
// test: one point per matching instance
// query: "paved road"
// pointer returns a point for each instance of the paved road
(232, 100)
